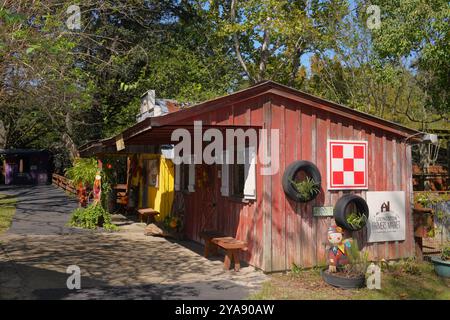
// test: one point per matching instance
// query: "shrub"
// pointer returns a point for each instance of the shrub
(445, 255)
(83, 171)
(410, 266)
(92, 217)
(358, 261)
(295, 269)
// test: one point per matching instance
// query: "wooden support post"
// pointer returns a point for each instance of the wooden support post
(419, 248)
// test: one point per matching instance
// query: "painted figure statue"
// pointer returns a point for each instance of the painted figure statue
(97, 188)
(337, 255)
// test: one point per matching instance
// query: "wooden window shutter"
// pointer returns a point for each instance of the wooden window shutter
(177, 177)
(250, 174)
(191, 185)
(225, 187)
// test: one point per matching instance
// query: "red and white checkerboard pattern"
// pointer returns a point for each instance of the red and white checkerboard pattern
(347, 164)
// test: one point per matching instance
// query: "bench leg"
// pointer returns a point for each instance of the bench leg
(237, 263)
(227, 261)
(215, 249)
(207, 244)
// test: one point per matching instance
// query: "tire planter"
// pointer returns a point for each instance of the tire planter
(441, 267)
(335, 280)
(289, 174)
(340, 208)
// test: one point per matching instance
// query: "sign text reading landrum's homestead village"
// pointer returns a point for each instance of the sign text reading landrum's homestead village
(386, 216)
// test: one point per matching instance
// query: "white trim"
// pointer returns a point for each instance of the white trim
(250, 174)
(177, 185)
(191, 185)
(225, 180)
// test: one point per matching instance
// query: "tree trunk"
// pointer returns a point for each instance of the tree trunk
(295, 66)
(2, 135)
(237, 43)
(264, 55)
(70, 146)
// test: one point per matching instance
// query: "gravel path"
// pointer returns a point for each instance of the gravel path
(38, 248)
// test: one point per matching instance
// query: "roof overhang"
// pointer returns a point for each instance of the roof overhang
(158, 130)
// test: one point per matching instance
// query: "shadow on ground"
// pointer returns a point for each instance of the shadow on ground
(38, 248)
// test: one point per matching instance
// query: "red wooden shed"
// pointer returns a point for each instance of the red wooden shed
(281, 231)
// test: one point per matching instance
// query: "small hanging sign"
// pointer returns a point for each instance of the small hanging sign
(323, 211)
(120, 143)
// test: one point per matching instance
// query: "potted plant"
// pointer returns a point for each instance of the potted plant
(423, 215)
(173, 225)
(347, 265)
(442, 263)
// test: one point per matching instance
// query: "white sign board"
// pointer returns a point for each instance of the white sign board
(386, 216)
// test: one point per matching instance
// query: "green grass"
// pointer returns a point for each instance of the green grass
(407, 280)
(7, 210)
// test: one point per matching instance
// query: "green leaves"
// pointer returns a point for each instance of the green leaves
(92, 217)
(83, 171)
(306, 188)
(30, 49)
(418, 32)
(10, 17)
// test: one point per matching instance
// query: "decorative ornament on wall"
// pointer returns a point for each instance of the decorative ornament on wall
(347, 165)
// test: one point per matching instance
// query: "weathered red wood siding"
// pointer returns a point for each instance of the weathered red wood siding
(233, 217)
(281, 232)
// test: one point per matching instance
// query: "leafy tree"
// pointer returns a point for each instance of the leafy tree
(357, 75)
(416, 33)
(270, 37)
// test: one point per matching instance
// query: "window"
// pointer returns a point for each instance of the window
(184, 168)
(152, 172)
(185, 177)
(237, 180)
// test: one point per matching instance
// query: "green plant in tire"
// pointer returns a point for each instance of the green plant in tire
(306, 188)
(356, 219)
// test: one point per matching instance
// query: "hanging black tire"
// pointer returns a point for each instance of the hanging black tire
(340, 210)
(289, 174)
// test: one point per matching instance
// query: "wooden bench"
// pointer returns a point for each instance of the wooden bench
(207, 236)
(147, 212)
(232, 246)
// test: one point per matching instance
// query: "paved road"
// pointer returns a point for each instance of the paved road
(36, 251)
(41, 210)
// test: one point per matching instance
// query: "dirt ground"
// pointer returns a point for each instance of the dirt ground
(38, 248)
(404, 280)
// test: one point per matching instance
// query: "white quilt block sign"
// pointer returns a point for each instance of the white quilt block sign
(386, 216)
(347, 163)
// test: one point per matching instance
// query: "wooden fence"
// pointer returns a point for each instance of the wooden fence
(63, 183)
(433, 244)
